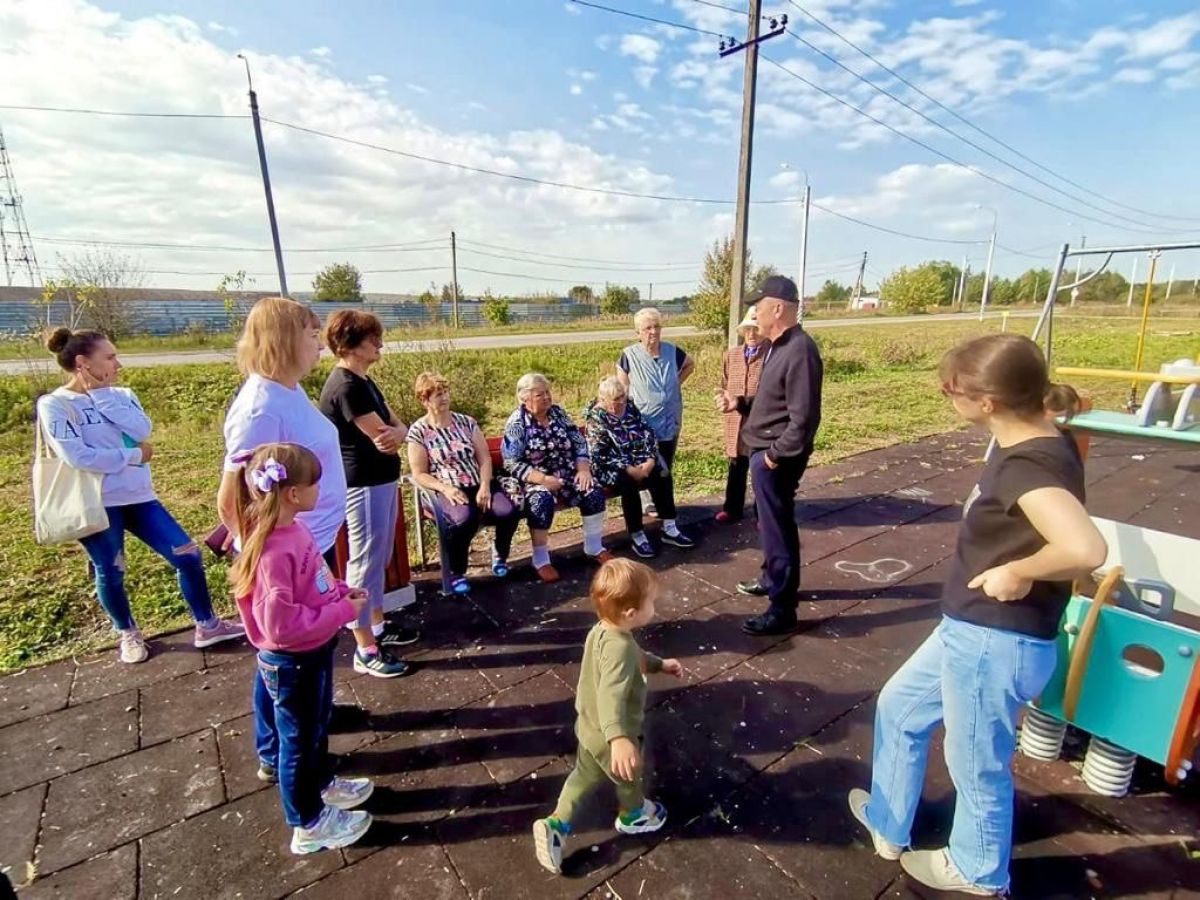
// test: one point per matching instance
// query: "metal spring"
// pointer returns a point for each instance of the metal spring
(1042, 735)
(1107, 768)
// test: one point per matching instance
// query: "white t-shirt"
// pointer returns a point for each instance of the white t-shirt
(266, 412)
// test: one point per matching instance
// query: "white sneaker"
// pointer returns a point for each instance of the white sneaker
(335, 828)
(935, 869)
(133, 647)
(858, 806)
(653, 816)
(347, 793)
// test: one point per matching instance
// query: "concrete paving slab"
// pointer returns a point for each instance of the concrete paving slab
(111, 804)
(239, 761)
(197, 700)
(20, 817)
(239, 850)
(35, 692)
(103, 674)
(416, 869)
(47, 746)
(109, 876)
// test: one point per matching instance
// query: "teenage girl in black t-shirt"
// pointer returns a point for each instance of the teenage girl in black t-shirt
(1025, 536)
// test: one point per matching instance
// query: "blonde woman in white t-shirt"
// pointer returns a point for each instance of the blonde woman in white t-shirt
(92, 424)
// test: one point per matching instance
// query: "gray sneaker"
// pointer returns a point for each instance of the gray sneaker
(858, 807)
(935, 869)
(335, 828)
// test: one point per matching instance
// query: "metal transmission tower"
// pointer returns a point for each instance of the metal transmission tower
(16, 245)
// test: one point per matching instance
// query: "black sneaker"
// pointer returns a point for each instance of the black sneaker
(642, 547)
(769, 624)
(752, 588)
(397, 636)
(380, 665)
(678, 539)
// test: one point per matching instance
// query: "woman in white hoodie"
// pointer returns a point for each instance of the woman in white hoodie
(91, 424)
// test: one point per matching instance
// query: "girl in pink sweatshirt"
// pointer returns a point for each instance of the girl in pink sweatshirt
(293, 609)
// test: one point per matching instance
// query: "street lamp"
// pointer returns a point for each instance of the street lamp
(803, 235)
(987, 272)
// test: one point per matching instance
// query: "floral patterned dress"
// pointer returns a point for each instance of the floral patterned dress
(554, 449)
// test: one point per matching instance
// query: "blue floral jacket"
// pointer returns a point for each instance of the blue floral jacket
(615, 444)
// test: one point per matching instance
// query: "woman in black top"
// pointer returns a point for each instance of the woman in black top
(1025, 537)
(370, 435)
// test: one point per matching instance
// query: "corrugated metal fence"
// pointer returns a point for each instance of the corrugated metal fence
(161, 317)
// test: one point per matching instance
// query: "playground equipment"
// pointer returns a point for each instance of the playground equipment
(1129, 656)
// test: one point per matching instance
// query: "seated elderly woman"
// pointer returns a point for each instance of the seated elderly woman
(546, 452)
(449, 457)
(625, 456)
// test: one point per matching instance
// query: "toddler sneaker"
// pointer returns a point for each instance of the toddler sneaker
(219, 631)
(347, 793)
(549, 839)
(335, 828)
(133, 647)
(858, 807)
(267, 773)
(650, 818)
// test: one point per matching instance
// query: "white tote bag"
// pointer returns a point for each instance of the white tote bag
(67, 502)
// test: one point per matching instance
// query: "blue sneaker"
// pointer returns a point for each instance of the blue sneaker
(460, 585)
(679, 539)
(549, 840)
(335, 828)
(347, 793)
(650, 818)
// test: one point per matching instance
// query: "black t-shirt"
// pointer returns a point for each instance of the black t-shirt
(995, 531)
(345, 397)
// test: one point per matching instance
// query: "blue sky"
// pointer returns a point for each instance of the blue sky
(551, 89)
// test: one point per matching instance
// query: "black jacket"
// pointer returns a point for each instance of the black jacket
(786, 411)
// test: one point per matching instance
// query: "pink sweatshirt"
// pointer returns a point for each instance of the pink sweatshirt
(297, 604)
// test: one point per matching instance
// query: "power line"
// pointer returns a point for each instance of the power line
(633, 15)
(732, 9)
(410, 247)
(122, 114)
(554, 280)
(558, 256)
(886, 230)
(970, 124)
(140, 271)
(590, 268)
(946, 156)
(882, 90)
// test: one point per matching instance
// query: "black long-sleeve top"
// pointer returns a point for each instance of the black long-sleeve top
(786, 411)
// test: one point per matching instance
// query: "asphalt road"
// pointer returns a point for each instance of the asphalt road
(495, 341)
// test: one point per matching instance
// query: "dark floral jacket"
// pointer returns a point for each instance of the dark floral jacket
(554, 449)
(615, 444)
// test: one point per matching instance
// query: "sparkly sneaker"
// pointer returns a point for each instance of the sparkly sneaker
(549, 840)
(347, 793)
(651, 817)
(133, 647)
(220, 631)
(335, 828)
(859, 799)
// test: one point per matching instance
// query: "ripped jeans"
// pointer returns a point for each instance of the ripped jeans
(151, 524)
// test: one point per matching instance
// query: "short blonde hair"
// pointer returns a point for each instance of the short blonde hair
(428, 384)
(610, 388)
(621, 585)
(270, 339)
(528, 382)
(646, 315)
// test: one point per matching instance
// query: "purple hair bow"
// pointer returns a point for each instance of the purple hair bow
(272, 473)
(242, 457)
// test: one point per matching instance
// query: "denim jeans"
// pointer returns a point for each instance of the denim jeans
(975, 680)
(151, 524)
(371, 536)
(293, 698)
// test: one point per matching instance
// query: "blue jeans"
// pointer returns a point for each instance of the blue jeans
(151, 524)
(293, 698)
(975, 680)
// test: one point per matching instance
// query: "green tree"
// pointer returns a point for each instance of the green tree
(949, 273)
(448, 292)
(581, 293)
(617, 298)
(495, 309)
(833, 294)
(710, 303)
(912, 290)
(1032, 286)
(227, 289)
(340, 281)
(432, 302)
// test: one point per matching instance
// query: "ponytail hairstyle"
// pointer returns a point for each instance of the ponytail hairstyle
(1011, 370)
(266, 471)
(66, 345)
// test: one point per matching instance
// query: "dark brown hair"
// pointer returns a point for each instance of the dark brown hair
(621, 585)
(348, 328)
(1011, 370)
(66, 344)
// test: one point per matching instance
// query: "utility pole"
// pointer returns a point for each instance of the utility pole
(1078, 269)
(454, 276)
(1132, 279)
(650, 302)
(856, 294)
(960, 287)
(987, 276)
(266, 178)
(804, 242)
(742, 217)
(1170, 283)
(20, 255)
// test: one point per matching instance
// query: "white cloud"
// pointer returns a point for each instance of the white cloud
(572, 9)
(937, 193)
(377, 79)
(641, 47)
(218, 28)
(1134, 76)
(786, 181)
(576, 90)
(963, 3)
(1164, 37)
(1180, 61)
(416, 88)
(321, 52)
(644, 75)
(587, 76)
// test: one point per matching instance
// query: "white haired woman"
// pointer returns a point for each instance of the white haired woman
(740, 374)
(547, 453)
(625, 456)
(653, 372)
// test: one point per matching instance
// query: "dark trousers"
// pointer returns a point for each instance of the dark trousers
(775, 502)
(661, 486)
(735, 486)
(666, 449)
(293, 699)
(458, 523)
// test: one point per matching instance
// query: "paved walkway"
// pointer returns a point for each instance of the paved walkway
(138, 781)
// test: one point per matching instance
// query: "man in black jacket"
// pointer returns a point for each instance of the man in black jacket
(779, 432)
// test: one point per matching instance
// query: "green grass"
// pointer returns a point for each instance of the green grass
(880, 390)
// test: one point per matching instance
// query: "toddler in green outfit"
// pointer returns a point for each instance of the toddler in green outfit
(611, 704)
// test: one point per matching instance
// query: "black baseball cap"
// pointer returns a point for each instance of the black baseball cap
(777, 287)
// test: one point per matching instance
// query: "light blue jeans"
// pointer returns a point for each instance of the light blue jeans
(975, 680)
